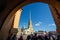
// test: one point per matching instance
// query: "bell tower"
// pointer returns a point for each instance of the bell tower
(30, 24)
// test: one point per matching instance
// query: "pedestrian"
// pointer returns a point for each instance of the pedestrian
(21, 38)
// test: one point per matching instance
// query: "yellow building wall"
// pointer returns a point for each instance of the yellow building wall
(16, 21)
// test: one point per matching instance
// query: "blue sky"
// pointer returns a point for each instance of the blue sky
(41, 17)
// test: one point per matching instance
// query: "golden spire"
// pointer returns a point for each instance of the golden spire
(30, 14)
(30, 22)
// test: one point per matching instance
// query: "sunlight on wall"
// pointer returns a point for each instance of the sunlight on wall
(16, 19)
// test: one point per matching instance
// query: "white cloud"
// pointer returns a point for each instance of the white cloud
(38, 24)
(51, 24)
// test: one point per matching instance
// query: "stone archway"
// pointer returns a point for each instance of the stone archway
(12, 13)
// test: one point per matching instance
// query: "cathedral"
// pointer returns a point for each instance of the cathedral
(28, 30)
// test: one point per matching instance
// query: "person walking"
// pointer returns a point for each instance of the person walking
(21, 38)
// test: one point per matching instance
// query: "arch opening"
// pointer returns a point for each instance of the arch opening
(41, 16)
(13, 12)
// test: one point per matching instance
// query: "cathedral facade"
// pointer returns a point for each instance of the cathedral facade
(28, 30)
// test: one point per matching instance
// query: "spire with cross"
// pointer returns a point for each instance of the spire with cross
(30, 21)
(30, 14)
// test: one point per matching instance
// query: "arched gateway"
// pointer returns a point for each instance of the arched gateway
(9, 21)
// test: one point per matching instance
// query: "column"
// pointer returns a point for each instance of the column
(16, 21)
(56, 17)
